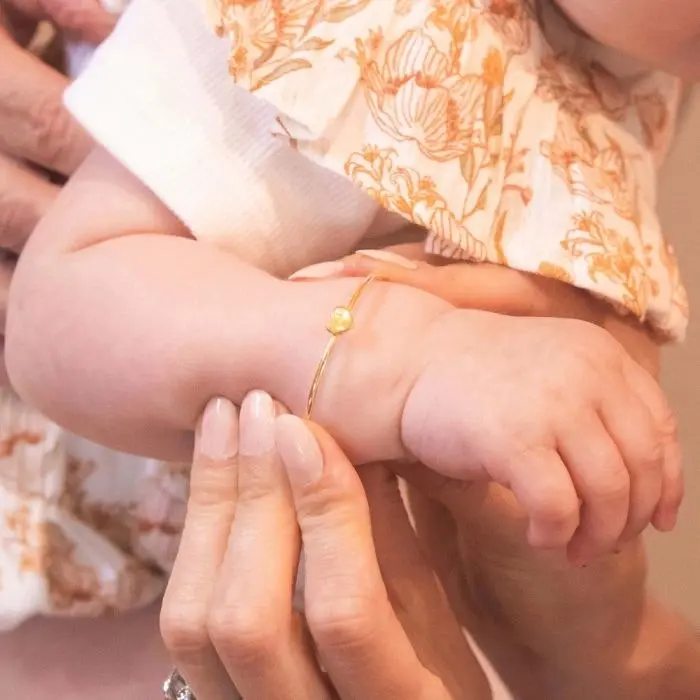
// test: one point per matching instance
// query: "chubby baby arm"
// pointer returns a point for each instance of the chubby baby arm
(122, 326)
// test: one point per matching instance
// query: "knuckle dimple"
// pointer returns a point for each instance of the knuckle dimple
(550, 506)
(668, 427)
(614, 489)
(342, 624)
(653, 456)
(183, 631)
(332, 508)
(245, 633)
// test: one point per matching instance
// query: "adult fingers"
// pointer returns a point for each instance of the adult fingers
(210, 512)
(25, 197)
(34, 125)
(359, 639)
(414, 592)
(86, 20)
(672, 488)
(484, 286)
(259, 638)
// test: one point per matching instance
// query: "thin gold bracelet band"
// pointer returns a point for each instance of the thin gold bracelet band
(339, 323)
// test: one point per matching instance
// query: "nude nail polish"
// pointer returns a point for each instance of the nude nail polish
(388, 256)
(115, 7)
(217, 432)
(319, 271)
(299, 451)
(257, 424)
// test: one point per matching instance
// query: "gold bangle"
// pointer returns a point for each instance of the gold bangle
(339, 323)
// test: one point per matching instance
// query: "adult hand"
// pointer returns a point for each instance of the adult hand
(38, 138)
(376, 622)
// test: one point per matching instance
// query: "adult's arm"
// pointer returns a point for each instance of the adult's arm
(37, 135)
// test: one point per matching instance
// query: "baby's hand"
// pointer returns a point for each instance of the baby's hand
(555, 410)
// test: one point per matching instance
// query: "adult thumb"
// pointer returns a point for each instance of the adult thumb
(84, 20)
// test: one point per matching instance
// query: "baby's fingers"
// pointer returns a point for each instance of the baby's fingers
(603, 485)
(666, 433)
(630, 424)
(544, 489)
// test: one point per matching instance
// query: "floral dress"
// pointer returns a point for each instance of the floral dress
(495, 126)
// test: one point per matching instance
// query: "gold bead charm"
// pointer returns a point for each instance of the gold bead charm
(341, 321)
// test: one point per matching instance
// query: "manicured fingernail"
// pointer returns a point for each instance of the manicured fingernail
(388, 256)
(115, 7)
(217, 433)
(257, 431)
(319, 271)
(299, 451)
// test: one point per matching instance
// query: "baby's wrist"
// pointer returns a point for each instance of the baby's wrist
(369, 374)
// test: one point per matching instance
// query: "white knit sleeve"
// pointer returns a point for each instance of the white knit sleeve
(157, 95)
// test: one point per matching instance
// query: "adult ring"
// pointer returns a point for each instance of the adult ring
(176, 688)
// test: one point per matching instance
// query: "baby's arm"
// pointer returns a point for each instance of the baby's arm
(121, 327)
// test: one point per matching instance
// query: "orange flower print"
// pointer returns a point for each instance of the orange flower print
(655, 120)
(414, 96)
(613, 177)
(272, 38)
(511, 19)
(601, 175)
(556, 272)
(404, 191)
(465, 246)
(400, 190)
(679, 295)
(252, 29)
(614, 257)
(580, 89)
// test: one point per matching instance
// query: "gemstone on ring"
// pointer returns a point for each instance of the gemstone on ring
(176, 688)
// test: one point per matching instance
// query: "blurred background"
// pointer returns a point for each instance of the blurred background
(675, 559)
